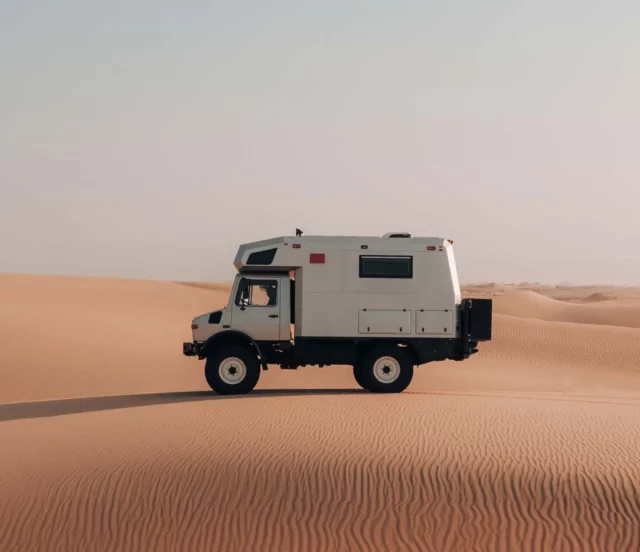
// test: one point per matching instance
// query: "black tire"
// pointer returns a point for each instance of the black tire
(357, 371)
(232, 370)
(376, 376)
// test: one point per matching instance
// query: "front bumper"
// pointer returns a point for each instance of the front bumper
(191, 349)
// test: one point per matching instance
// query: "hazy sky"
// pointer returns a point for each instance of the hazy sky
(149, 138)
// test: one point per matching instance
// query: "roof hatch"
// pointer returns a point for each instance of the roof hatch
(397, 235)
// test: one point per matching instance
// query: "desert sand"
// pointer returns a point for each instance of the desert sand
(111, 439)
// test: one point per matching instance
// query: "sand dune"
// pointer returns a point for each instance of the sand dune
(573, 294)
(528, 304)
(112, 441)
(68, 337)
(220, 287)
(600, 296)
(535, 355)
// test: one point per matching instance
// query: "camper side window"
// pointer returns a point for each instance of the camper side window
(257, 293)
(386, 266)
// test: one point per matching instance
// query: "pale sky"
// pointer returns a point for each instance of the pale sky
(148, 139)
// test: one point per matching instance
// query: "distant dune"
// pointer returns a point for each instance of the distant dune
(529, 304)
(220, 287)
(112, 441)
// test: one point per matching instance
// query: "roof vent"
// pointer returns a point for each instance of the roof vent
(397, 235)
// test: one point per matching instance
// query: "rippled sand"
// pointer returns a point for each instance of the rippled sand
(111, 440)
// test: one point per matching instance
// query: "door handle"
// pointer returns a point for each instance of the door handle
(273, 316)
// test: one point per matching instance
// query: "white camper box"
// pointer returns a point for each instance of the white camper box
(380, 304)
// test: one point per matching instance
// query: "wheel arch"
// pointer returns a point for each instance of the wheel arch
(230, 337)
(366, 347)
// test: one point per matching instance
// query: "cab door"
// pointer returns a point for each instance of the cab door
(258, 306)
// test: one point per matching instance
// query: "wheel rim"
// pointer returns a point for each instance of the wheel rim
(386, 369)
(232, 370)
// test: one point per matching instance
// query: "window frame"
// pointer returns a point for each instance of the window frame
(363, 259)
(256, 282)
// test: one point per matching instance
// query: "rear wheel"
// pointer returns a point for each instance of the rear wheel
(357, 371)
(232, 370)
(387, 369)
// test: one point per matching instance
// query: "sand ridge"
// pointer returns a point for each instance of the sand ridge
(529, 304)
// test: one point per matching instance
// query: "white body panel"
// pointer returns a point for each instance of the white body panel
(204, 330)
(333, 300)
(256, 322)
(384, 321)
(432, 322)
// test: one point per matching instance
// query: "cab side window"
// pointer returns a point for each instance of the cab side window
(257, 293)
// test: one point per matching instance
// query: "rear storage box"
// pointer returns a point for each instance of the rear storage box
(480, 318)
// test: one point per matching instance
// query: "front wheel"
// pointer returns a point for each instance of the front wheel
(387, 369)
(232, 370)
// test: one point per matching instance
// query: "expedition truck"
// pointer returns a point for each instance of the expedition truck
(379, 304)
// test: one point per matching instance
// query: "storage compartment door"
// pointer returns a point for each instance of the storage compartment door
(434, 322)
(380, 321)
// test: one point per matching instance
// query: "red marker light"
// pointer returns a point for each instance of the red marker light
(431, 248)
(296, 246)
(316, 258)
(194, 326)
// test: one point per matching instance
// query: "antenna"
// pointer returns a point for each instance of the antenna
(298, 232)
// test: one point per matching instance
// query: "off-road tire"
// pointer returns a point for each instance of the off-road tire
(232, 370)
(386, 369)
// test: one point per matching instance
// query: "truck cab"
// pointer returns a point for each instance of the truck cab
(259, 307)
(380, 305)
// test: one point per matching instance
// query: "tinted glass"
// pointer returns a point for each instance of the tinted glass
(262, 257)
(379, 266)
